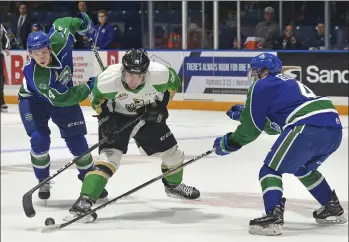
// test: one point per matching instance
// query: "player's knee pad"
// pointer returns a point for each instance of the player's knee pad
(76, 144)
(108, 162)
(270, 179)
(172, 157)
(39, 143)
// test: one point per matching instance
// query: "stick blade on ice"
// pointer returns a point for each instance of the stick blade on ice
(28, 207)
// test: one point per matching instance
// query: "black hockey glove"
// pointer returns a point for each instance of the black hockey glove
(107, 124)
(155, 112)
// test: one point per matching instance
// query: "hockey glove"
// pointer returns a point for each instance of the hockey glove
(224, 146)
(155, 112)
(91, 82)
(235, 111)
(88, 26)
(107, 125)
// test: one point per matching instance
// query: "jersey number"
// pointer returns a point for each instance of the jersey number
(304, 90)
(51, 95)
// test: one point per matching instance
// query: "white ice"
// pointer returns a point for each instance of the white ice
(231, 193)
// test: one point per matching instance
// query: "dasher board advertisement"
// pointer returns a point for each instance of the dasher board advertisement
(325, 73)
(209, 72)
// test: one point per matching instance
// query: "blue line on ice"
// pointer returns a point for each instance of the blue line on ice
(65, 147)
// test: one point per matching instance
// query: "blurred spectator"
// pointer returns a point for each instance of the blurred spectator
(317, 42)
(4, 46)
(105, 33)
(36, 27)
(288, 41)
(82, 7)
(267, 30)
(22, 25)
(81, 40)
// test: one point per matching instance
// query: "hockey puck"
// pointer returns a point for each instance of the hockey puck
(49, 221)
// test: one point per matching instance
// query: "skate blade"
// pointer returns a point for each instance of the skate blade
(86, 219)
(332, 220)
(271, 230)
(182, 198)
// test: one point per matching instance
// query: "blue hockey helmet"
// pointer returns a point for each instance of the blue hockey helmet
(38, 40)
(268, 62)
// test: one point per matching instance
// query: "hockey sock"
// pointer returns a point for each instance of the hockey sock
(41, 165)
(97, 179)
(84, 165)
(174, 178)
(271, 183)
(316, 184)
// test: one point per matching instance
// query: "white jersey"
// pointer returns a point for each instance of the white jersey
(110, 85)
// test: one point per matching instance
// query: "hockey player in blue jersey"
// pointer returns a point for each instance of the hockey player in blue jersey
(48, 92)
(310, 131)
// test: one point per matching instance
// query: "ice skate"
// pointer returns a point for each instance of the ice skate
(332, 213)
(44, 191)
(4, 108)
(82, 206)
(270, 224)
(182, 191)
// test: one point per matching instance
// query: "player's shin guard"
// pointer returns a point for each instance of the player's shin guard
(95, 180)
(173, 183)
(84, 165)
(77, 144)
(271, 183)
(41, 166)
(316, 184)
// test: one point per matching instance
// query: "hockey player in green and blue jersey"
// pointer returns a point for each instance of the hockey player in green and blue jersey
(48, 92)
(311, 131)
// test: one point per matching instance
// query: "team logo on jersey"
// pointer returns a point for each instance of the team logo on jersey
(294, 72)
(65, 76)
(43, 86)
(121, 96)
(137, 103)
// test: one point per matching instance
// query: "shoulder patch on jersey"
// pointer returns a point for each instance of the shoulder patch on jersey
(121, 96)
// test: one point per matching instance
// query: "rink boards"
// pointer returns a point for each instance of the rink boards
(211, 80)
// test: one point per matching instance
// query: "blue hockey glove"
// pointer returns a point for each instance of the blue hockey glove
(223, 147)
(91, 82)
(89, 27)
(235, 111)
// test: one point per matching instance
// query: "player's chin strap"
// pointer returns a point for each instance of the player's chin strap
(53, 228)
(27, 200)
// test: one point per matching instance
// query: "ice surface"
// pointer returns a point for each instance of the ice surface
(231, 194)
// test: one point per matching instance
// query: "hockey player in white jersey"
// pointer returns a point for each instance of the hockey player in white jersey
(121, 93)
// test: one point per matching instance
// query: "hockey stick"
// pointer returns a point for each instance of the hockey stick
(53, 228)
(95, 52)
(27, 198)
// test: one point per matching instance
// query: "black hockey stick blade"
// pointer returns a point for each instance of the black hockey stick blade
(56, 227)
(27, 200)
(28, 207)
